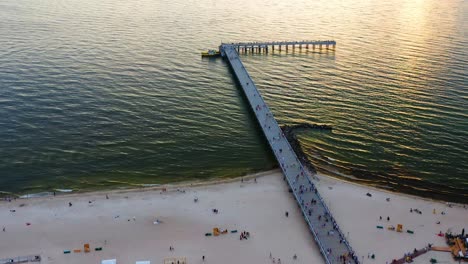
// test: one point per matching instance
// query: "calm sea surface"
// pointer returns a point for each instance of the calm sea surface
(113, 93)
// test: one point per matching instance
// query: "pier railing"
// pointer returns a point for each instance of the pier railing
(282, 43)
(266, 46)
(334, 247)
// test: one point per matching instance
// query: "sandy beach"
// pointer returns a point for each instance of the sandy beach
(359, 215)
(124, 227)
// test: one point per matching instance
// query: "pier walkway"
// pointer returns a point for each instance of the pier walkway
(330, 239)
(265, 46)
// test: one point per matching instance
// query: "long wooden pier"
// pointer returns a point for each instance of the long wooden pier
(266, 46)
(330, 239)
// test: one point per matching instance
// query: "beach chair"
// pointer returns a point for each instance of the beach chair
(77, 251)
(216, 231)
(86, 248)
(380, 227)
(66, 252)
(399, 228)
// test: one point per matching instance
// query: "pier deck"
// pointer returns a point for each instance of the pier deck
(265, 46)
(331, 241)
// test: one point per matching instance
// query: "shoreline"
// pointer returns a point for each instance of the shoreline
(380, 179)
(385, 190)
(218, 181)
(155, 187)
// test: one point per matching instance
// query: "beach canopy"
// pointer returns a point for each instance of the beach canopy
(143, 262)
(109, 261)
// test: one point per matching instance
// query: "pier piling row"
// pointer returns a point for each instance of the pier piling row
(330, 239)
(280, 45)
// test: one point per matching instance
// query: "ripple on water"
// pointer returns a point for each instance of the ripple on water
(92, 96)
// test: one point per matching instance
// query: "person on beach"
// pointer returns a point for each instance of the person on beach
(70, 204)
(388, 218)
(4, 230)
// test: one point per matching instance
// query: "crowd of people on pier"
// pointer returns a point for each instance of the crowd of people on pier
(316, 213)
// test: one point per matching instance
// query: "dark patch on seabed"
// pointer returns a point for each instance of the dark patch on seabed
(384, 179)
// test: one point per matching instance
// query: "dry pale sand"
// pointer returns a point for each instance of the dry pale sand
(255, 207)
(359, 215)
